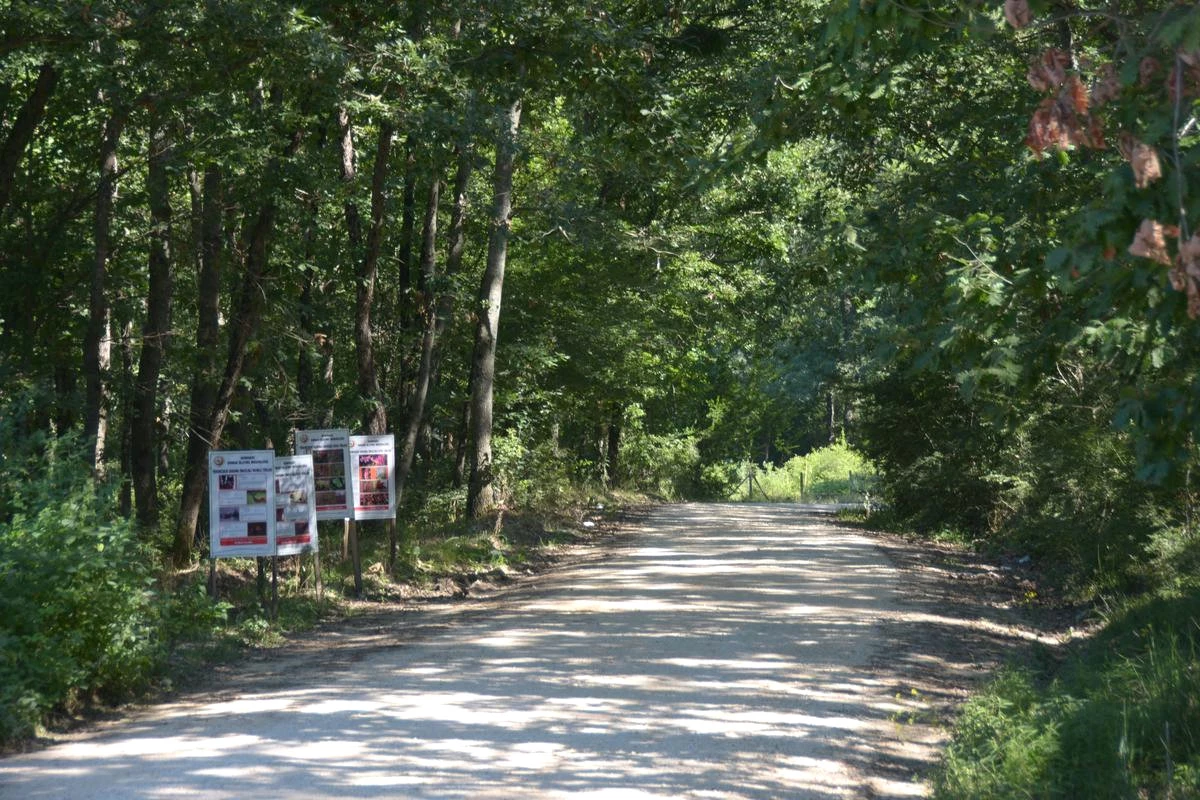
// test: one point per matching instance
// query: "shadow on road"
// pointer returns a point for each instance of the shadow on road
(720, 651)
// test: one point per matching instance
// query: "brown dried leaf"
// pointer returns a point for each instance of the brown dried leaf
(1178, 277)
(1146, 166)
(1093, 134)
(1189, 256)
(1107, 86)
(1076, 94)
(1044, 128)
(1185, 75)
(1017, 13)
(1055, 125)
(1049, 71)
(1150, 242)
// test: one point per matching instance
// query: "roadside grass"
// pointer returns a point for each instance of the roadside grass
(1118, 719)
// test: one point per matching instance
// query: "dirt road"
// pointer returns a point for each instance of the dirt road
(714, 651)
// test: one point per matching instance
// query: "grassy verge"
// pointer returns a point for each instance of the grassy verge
(1119, 718)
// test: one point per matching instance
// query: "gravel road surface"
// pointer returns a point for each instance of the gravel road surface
(711, 651)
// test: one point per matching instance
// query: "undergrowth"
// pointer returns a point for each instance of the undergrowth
(1119, 720)
(836, 473)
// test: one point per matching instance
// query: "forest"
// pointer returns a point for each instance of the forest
(562, 249)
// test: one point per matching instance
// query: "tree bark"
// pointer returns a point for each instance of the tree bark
(416, 408)
(242, 326)
(97, 342)
(375, 418)
(204, 380)
(144, 460)
(613, 454)
(21, 132)
(125, 434)
(481, 499)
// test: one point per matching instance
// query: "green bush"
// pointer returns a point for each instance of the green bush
(1120, 720)
(836, 473)
(77, 617)
(535, 477)
(659, 464)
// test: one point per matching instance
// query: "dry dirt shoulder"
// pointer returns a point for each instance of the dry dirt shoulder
(962, 617)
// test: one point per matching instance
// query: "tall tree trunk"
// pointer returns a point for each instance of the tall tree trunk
(242, 326)
(404, 250)
(21, 132)
(830, 416)
(457, 246)
(481, 498)
(125, 433)
(97, 342)
(375, 419)
(416, 407)
(204, 380)
(306, 385)
(614, 447)
(154, 332)
(461, 450)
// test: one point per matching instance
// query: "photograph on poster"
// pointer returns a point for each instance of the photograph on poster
(297, 496)
(327, 457)
(227, 482)
(256, 529)
(230, 514)
(256, 497)
(330, 498)
(279, 514)
(373, 460)
(254, 513)
(302, 528)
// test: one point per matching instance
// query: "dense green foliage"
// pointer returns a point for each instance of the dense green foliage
(835, 473)
(776, 234)
(76, 606)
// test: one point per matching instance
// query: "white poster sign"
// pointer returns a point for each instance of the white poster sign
(373, 476)
(330, 451)
(241, 503)
(295, 509)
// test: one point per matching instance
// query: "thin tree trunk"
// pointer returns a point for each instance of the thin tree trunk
(154, 333)
(97, 343)
(461, 450)
(457, 241)
(242, 327)
(481, 498)
(404, 250)
(125, 434)
(375, 419)
(428, 310)
(306, 385)
(830, 416)
(21, 132)
(614, 447)
(204, 380)
(416, 408)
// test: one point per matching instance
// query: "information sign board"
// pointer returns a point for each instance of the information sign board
(241, 503)
(373, 476)
(330, 451)
(295, 511)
